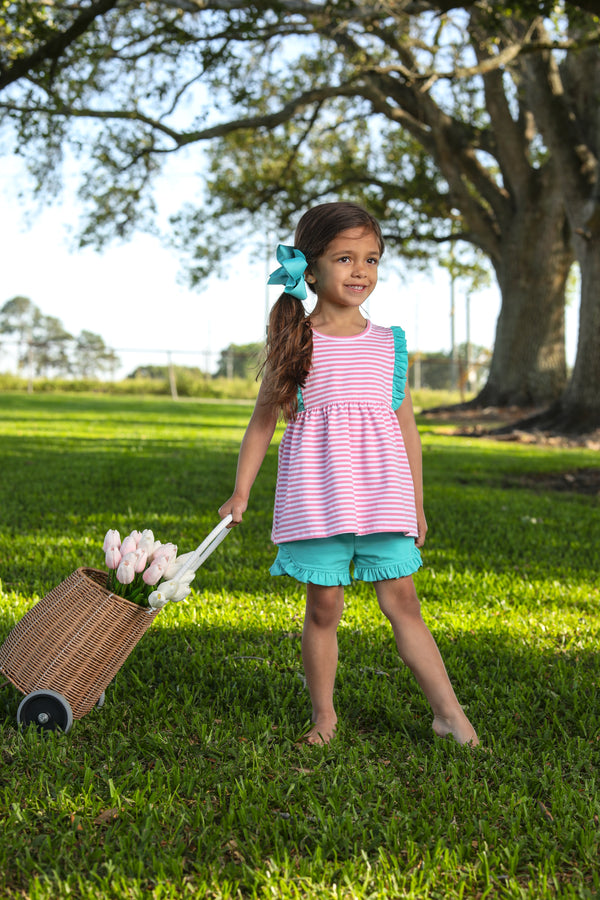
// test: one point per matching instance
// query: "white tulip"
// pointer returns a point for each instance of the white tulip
(177, 564)
(175, 590)
(169, 589)
(147, 541)
(183, 592)
(157, 600)
(155, 547)
(186, 577)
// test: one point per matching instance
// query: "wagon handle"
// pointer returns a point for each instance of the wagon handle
(210, 543)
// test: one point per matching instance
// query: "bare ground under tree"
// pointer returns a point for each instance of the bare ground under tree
(506, 424)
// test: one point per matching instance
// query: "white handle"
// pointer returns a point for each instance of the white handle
(210, 543)
(217, 535)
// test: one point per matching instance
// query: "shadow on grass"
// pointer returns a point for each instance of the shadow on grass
(513, 689)
(59, 495)
(191, 769)
(503, 679)
(54, 520)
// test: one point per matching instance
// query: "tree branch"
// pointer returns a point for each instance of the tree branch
(558, 122)
(511, 139)
(56, 46)
(181, 139)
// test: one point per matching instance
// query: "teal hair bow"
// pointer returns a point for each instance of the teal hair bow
(293, 263)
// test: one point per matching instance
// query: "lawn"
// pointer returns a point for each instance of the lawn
(189, 781)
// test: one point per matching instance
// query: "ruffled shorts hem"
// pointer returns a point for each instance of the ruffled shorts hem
(287, 566)
(397, 570)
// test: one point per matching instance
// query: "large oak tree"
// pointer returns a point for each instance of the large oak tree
(427, 111)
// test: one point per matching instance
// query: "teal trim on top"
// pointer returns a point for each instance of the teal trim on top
(400, 366)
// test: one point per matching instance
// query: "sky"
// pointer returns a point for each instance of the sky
(134, 294)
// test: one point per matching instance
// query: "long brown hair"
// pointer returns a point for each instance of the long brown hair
(289, 335)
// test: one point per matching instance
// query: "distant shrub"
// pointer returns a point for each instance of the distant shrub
(188, 384)
(12, 383)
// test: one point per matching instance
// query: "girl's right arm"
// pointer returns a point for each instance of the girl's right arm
(255, 444)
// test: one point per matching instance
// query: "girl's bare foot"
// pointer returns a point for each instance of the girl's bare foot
(458, 727)
(321, 731)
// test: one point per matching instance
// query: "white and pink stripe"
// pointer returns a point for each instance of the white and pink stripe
(342, 463)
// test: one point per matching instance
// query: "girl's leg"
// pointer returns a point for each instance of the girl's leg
(324, 606)
(399, 603)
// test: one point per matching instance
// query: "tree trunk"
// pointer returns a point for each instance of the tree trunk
(578, 410)
(528, 365)
(564, 97)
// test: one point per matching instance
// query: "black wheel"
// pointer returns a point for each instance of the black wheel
(47, 710)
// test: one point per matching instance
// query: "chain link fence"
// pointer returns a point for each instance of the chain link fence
(180, 370)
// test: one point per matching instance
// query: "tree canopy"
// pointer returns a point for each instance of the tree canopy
(451, 122)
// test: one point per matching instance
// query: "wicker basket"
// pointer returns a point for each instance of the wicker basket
(74, 640)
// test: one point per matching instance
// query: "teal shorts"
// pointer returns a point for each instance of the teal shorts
(326, 561)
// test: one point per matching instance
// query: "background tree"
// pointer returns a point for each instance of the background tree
(418, 109)
(42, 342)
(17, 318)
(50, 347)
(154, 372)
(161, 373)
(240, 361)
(91, 357)
(45, 348)
(36, 34)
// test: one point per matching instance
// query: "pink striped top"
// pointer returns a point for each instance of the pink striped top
(343, 466)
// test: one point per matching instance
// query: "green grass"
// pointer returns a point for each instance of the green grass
(189, 783)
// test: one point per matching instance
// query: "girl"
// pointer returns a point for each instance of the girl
(349, 485)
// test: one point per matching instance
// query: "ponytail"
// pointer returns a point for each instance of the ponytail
(289, 354)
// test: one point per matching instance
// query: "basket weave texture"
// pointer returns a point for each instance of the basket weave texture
(74, 640)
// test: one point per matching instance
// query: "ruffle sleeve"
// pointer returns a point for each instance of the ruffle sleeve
(400, 366)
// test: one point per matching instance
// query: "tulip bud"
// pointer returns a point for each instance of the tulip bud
(157, 600)
(146, 541)
(128, 546)
(182, 592)
(187, 577)
(112, 539)
(113, 557)
(168, 552)
(153, 549)
(141, 558)
(175, 590)
(177, 564)
(154, 573)
(168, 589)
(126, 569)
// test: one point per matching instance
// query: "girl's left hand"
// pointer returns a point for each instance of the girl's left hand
(422, 528)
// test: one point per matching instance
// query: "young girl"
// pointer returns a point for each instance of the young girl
(349, 484)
